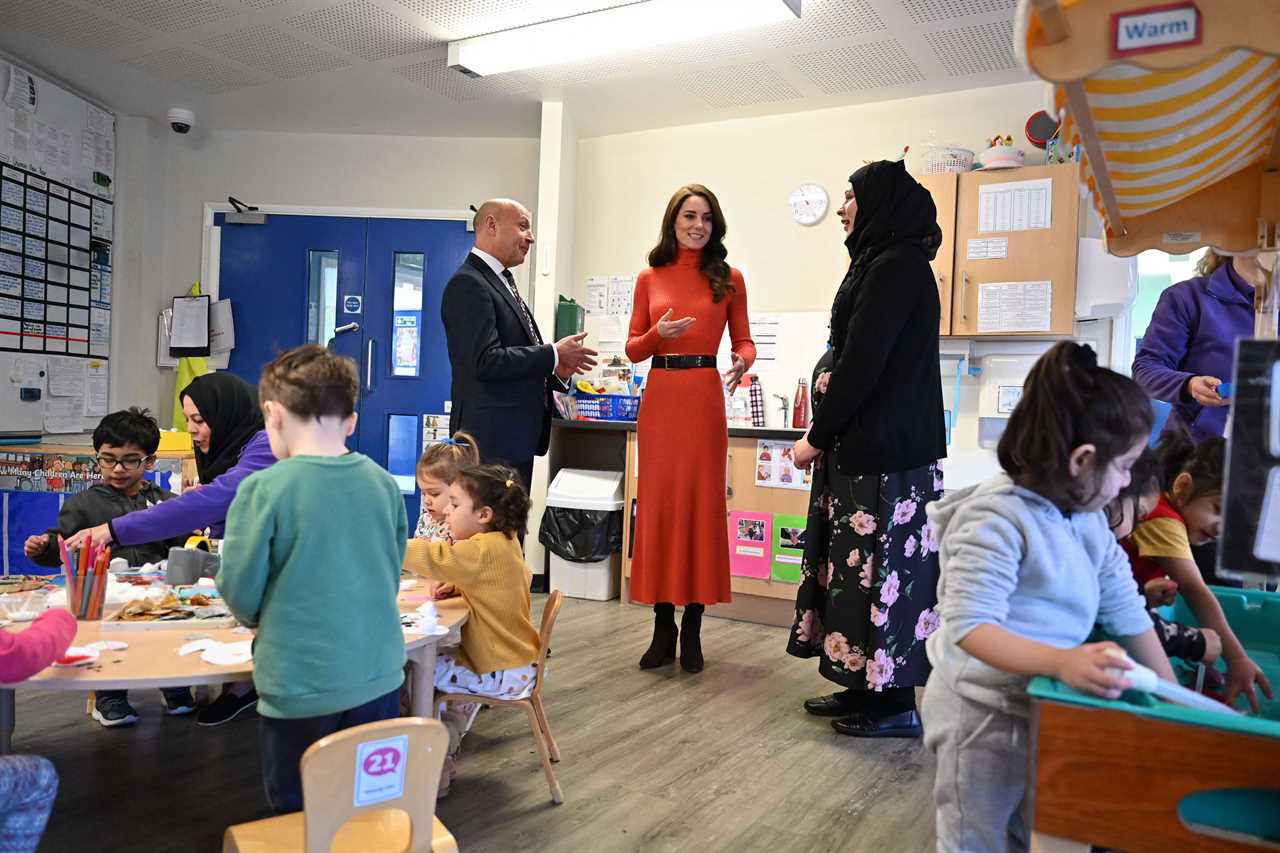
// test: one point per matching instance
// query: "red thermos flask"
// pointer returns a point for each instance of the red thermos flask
(800, 410)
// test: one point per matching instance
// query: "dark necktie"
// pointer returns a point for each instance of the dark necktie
(524, 309)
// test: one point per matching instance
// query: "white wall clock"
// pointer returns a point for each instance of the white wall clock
(808, 204)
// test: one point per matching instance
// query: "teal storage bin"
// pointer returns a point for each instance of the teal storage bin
(1254, 616)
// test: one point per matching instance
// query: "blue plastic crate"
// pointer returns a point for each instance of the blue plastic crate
(608, 407)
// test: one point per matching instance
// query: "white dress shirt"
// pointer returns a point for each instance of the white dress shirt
(498, 268)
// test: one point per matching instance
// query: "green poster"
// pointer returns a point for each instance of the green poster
(788, 547)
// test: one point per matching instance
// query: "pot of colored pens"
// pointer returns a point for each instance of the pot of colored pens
(85, 571)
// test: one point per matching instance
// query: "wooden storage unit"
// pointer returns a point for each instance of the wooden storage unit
(754, 599)
(1045, 254)
(943, 187)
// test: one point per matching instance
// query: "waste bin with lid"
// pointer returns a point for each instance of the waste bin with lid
(582, 530)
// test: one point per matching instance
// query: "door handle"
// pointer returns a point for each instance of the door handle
(964, 296)
(368, 366)
(349, 327)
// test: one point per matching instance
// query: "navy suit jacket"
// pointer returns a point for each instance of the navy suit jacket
(502, 375)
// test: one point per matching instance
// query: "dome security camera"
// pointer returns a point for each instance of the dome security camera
(181, 120)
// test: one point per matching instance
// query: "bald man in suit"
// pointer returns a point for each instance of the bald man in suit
(503, 373)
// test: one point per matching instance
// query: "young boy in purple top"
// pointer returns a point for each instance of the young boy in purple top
(230, 444)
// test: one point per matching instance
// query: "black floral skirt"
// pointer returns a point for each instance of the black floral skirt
(869, 582)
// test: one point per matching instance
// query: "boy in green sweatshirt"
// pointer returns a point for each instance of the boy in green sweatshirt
(312, 560)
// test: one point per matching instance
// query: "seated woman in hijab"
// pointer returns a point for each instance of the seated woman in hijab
(231, 443)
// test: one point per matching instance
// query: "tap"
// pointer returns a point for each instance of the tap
(785, 405)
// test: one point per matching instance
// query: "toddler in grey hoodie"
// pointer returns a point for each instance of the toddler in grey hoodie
(1028, 566)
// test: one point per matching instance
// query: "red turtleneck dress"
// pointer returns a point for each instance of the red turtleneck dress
(681, 539)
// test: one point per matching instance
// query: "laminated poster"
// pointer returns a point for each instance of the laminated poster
(775, 468)
(749, 544)
(788, 547)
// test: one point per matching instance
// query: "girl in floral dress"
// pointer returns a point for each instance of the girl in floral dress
(866, 599)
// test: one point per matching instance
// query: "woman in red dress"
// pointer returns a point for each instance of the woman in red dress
(681, 547)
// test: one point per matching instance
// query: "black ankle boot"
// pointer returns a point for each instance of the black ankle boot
(691, 638)
(663, 648)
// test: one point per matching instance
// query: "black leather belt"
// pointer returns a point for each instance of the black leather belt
(683, 362)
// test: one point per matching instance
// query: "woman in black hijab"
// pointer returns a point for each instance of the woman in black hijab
(230, 443)
(222, 416)
(866, 600)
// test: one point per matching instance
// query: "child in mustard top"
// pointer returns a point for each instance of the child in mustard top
(488, 510)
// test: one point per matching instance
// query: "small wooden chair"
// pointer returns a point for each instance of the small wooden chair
(532, 705)
(328, 789)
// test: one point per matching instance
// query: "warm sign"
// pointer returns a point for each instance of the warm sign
(1155, 28)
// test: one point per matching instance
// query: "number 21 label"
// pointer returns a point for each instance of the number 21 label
(380, 770)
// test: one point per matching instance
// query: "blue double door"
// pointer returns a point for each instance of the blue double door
(368, 288)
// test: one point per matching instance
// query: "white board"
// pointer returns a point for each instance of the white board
(55, 133)
(57, 222)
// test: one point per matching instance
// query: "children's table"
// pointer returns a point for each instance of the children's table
(152, 660)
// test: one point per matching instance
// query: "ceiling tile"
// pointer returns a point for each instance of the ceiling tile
(933, 11)
(436, 75)
(825, 20)
(275, 52)
(168, 15)
(465, 18)
(263, 4)
(183, 66)
(974, 50)
(740, 85)
(876, 65)
(70, 25)
(368, 31)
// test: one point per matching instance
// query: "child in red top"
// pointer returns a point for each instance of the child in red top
(1189, 512)
(28, 783)
(1137, 501)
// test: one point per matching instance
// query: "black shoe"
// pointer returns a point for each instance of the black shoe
(662, 650)
(691, 638)
(178, 701)
(868, 724)
(226, 708)
(112, 709)
(837, 704)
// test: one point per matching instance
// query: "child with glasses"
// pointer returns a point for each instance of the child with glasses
(125, 443)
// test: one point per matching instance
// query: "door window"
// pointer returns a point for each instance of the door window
(322, 296)
(402, 450)
(406, 329)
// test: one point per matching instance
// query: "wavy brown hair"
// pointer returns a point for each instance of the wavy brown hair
(712, 264)
(1210, 261)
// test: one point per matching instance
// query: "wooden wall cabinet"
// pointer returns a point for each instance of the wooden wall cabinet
(1041, 254)
(943, 187)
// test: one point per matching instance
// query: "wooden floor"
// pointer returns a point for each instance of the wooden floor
(721, 761)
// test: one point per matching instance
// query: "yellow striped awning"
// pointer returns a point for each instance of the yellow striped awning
(1167, 135)
(1175, 138)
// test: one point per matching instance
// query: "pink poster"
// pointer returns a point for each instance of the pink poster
(749, 544)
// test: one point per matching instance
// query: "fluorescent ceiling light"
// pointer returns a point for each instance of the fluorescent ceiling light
(622, 28)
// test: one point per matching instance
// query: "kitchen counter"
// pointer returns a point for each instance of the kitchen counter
(763, 433)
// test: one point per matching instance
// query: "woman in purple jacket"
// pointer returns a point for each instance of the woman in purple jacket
(231, 443)
(1189, 348)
